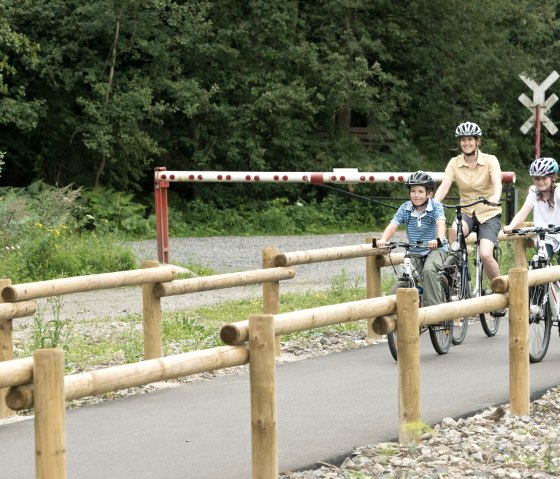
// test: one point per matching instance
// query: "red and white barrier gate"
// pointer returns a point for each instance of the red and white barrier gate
(162, 179)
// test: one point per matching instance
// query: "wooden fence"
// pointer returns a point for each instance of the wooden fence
(31, 380)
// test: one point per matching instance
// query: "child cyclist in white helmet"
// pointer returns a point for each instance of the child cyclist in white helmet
(543, 199)
(425, 222)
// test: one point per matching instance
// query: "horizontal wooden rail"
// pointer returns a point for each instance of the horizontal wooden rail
(500, 284)
(443, 312)
(80, 385)
(16, 372)
(77, 284)
(18, 310)
(222, 281)
(326, 254)
(285, 323)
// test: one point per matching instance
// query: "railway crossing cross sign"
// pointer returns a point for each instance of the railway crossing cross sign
(539, 107)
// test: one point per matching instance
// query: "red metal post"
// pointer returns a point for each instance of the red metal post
(162, 220)
(538, 131)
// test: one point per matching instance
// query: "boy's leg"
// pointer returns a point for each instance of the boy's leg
(433, 290)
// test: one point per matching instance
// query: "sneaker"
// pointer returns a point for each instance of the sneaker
(498, 313)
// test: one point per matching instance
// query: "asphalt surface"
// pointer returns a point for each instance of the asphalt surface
(326, 406)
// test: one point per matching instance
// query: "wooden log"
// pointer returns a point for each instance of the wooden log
(373, 290)
(6, 351)
(384, 324)
(17, 310)
(458, 309)
(271, 290)
(520, 252)
(519, 385)
(408, 354)
(222, 281)
(125, 376)
(393, 259)
(16, 372)
(20, 397)
(93, 282)
(285, 323)
(501, 284)
(50, 427)
(326, 254)
(263, 397)
(151, 317)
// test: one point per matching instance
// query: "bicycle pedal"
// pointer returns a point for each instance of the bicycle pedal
(498, 314)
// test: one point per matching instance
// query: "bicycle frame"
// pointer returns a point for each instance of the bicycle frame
(459, 249)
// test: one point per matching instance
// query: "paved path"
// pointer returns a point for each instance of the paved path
(326, 406)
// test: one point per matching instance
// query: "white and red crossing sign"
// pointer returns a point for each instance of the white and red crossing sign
(539, 107)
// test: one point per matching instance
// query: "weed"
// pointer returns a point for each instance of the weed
(51, 333)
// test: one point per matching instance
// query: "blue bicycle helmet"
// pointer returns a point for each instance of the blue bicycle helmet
(543, 167)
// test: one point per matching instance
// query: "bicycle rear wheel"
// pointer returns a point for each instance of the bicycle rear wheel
(455, 291)
(540, 322)
(489, 323)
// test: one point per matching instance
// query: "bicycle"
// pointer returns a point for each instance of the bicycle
(408, 277)
(543, 298)
(457, 274)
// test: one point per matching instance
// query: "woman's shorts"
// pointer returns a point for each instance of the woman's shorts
(488, 230)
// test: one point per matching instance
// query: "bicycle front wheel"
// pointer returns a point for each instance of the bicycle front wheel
(540, 322)
(457, 288)
(441, 336)
(489, 323)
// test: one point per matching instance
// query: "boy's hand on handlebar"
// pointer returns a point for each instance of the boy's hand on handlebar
(508, 229)
(433, 244)
(380, 243)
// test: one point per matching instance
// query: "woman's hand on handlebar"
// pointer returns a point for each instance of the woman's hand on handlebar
(507, 229)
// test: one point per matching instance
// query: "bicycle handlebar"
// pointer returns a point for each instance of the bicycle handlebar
(475, 202)
(552, 229)
(405, 245)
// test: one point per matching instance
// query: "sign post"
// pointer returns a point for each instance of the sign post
(539, 108)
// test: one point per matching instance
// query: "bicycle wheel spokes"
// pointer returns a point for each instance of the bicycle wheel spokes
(540, 323)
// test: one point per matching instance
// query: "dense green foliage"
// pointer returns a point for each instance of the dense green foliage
(98, 93)
(45, 234)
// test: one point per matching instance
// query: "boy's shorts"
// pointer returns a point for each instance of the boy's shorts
(488, 230)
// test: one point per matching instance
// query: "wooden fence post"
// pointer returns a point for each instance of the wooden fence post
(151, 313)
(271, 290)
(519, 387)
(50, 429)
(519, 253)
(263, 396)
(408, 354)
(373, 290)
(6, 351)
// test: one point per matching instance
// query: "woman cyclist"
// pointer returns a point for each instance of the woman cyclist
(477, 174)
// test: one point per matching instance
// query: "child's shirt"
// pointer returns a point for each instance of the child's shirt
(420, 226)
(543, 215)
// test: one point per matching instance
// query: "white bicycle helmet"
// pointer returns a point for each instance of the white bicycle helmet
(420, 178)
(468, 129)
(543, 167)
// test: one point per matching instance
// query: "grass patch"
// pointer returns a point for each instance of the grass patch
(109, 341)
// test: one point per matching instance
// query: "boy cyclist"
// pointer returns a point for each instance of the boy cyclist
(543, 198)
(425, 222)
